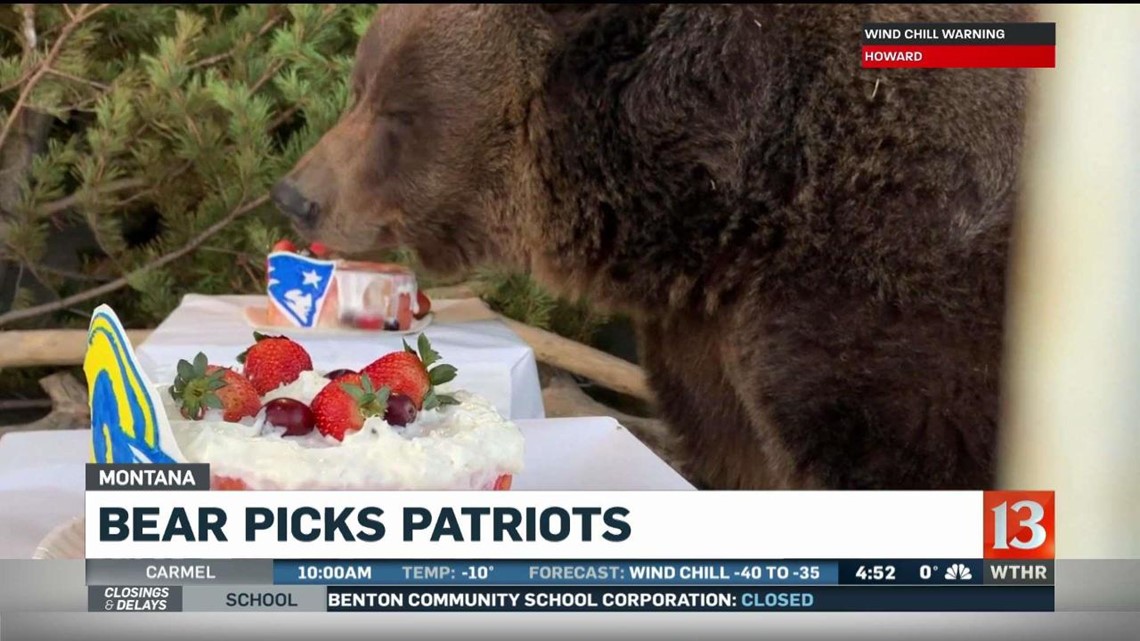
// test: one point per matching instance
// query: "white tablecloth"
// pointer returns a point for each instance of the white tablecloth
(493, 361)
(42, 473)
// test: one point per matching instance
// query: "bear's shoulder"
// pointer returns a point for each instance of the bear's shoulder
(693, 148)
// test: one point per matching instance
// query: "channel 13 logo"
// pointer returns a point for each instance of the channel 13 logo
(1018, 525)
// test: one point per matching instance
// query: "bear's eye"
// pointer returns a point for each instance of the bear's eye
(396, 128)
(387, 150)
(402, 118)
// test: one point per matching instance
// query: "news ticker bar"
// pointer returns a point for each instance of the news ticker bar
(899, 572)
(203, 598)
(55, 586)
(959, 45)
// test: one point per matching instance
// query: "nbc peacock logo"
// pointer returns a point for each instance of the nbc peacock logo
(957, 572)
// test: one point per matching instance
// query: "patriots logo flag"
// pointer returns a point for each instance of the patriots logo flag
(299, 285)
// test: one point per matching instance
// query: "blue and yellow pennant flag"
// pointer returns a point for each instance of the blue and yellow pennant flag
(128, 422)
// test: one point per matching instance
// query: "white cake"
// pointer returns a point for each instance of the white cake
(454, 447)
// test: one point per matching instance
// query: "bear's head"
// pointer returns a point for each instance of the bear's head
(431, 153)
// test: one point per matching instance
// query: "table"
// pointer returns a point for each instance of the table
(492, 361)
(42, 473)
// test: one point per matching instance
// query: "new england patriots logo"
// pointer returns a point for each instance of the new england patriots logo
(298, 286)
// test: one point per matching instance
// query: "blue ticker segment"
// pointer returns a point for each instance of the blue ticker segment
(933, 572)
(515, 572)
(911, 572)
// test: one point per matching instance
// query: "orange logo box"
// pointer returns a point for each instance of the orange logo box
(1018, 525)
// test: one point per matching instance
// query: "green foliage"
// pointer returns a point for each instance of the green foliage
(164, 120)
(517, 296)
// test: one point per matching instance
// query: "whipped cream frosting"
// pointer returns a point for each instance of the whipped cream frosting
(465, 446)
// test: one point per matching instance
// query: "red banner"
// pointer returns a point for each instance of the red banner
(958, 56)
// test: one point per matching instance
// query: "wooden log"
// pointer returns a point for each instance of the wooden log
(17, 404)
(30, 348)
(67, 346)
(69, 405)
(604, 369)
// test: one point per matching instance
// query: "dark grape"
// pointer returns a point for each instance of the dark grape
(337, 373)
(401, 410)
(292, 415)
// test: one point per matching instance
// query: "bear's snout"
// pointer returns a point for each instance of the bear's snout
(294, 204)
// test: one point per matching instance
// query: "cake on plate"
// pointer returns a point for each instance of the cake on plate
(306, 288)
(279, 424)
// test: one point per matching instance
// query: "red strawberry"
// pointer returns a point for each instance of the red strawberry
(227, 483)
(404, 373)
(344, 404)
(319, 249)
(274, 361)
(284, 246)
(239, 398)
(200, 386)
(412, 374)
(424, 303)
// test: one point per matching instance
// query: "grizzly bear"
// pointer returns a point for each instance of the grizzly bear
(813, 252)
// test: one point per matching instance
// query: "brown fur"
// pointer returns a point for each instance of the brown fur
(814, 252)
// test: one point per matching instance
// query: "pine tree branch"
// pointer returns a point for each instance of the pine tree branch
(244, 263)
(267, 76)
(132, 198)
(31, 268)
(284, 117)
(63, 74)
(100, 241)
(42, 69)
(209, 60)
(29, 128)
(14, 32)
(18, 81)
(111, 187)
(86, 104)
(223, 250)
(216, 58)
(119, 283)
(70, 275)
